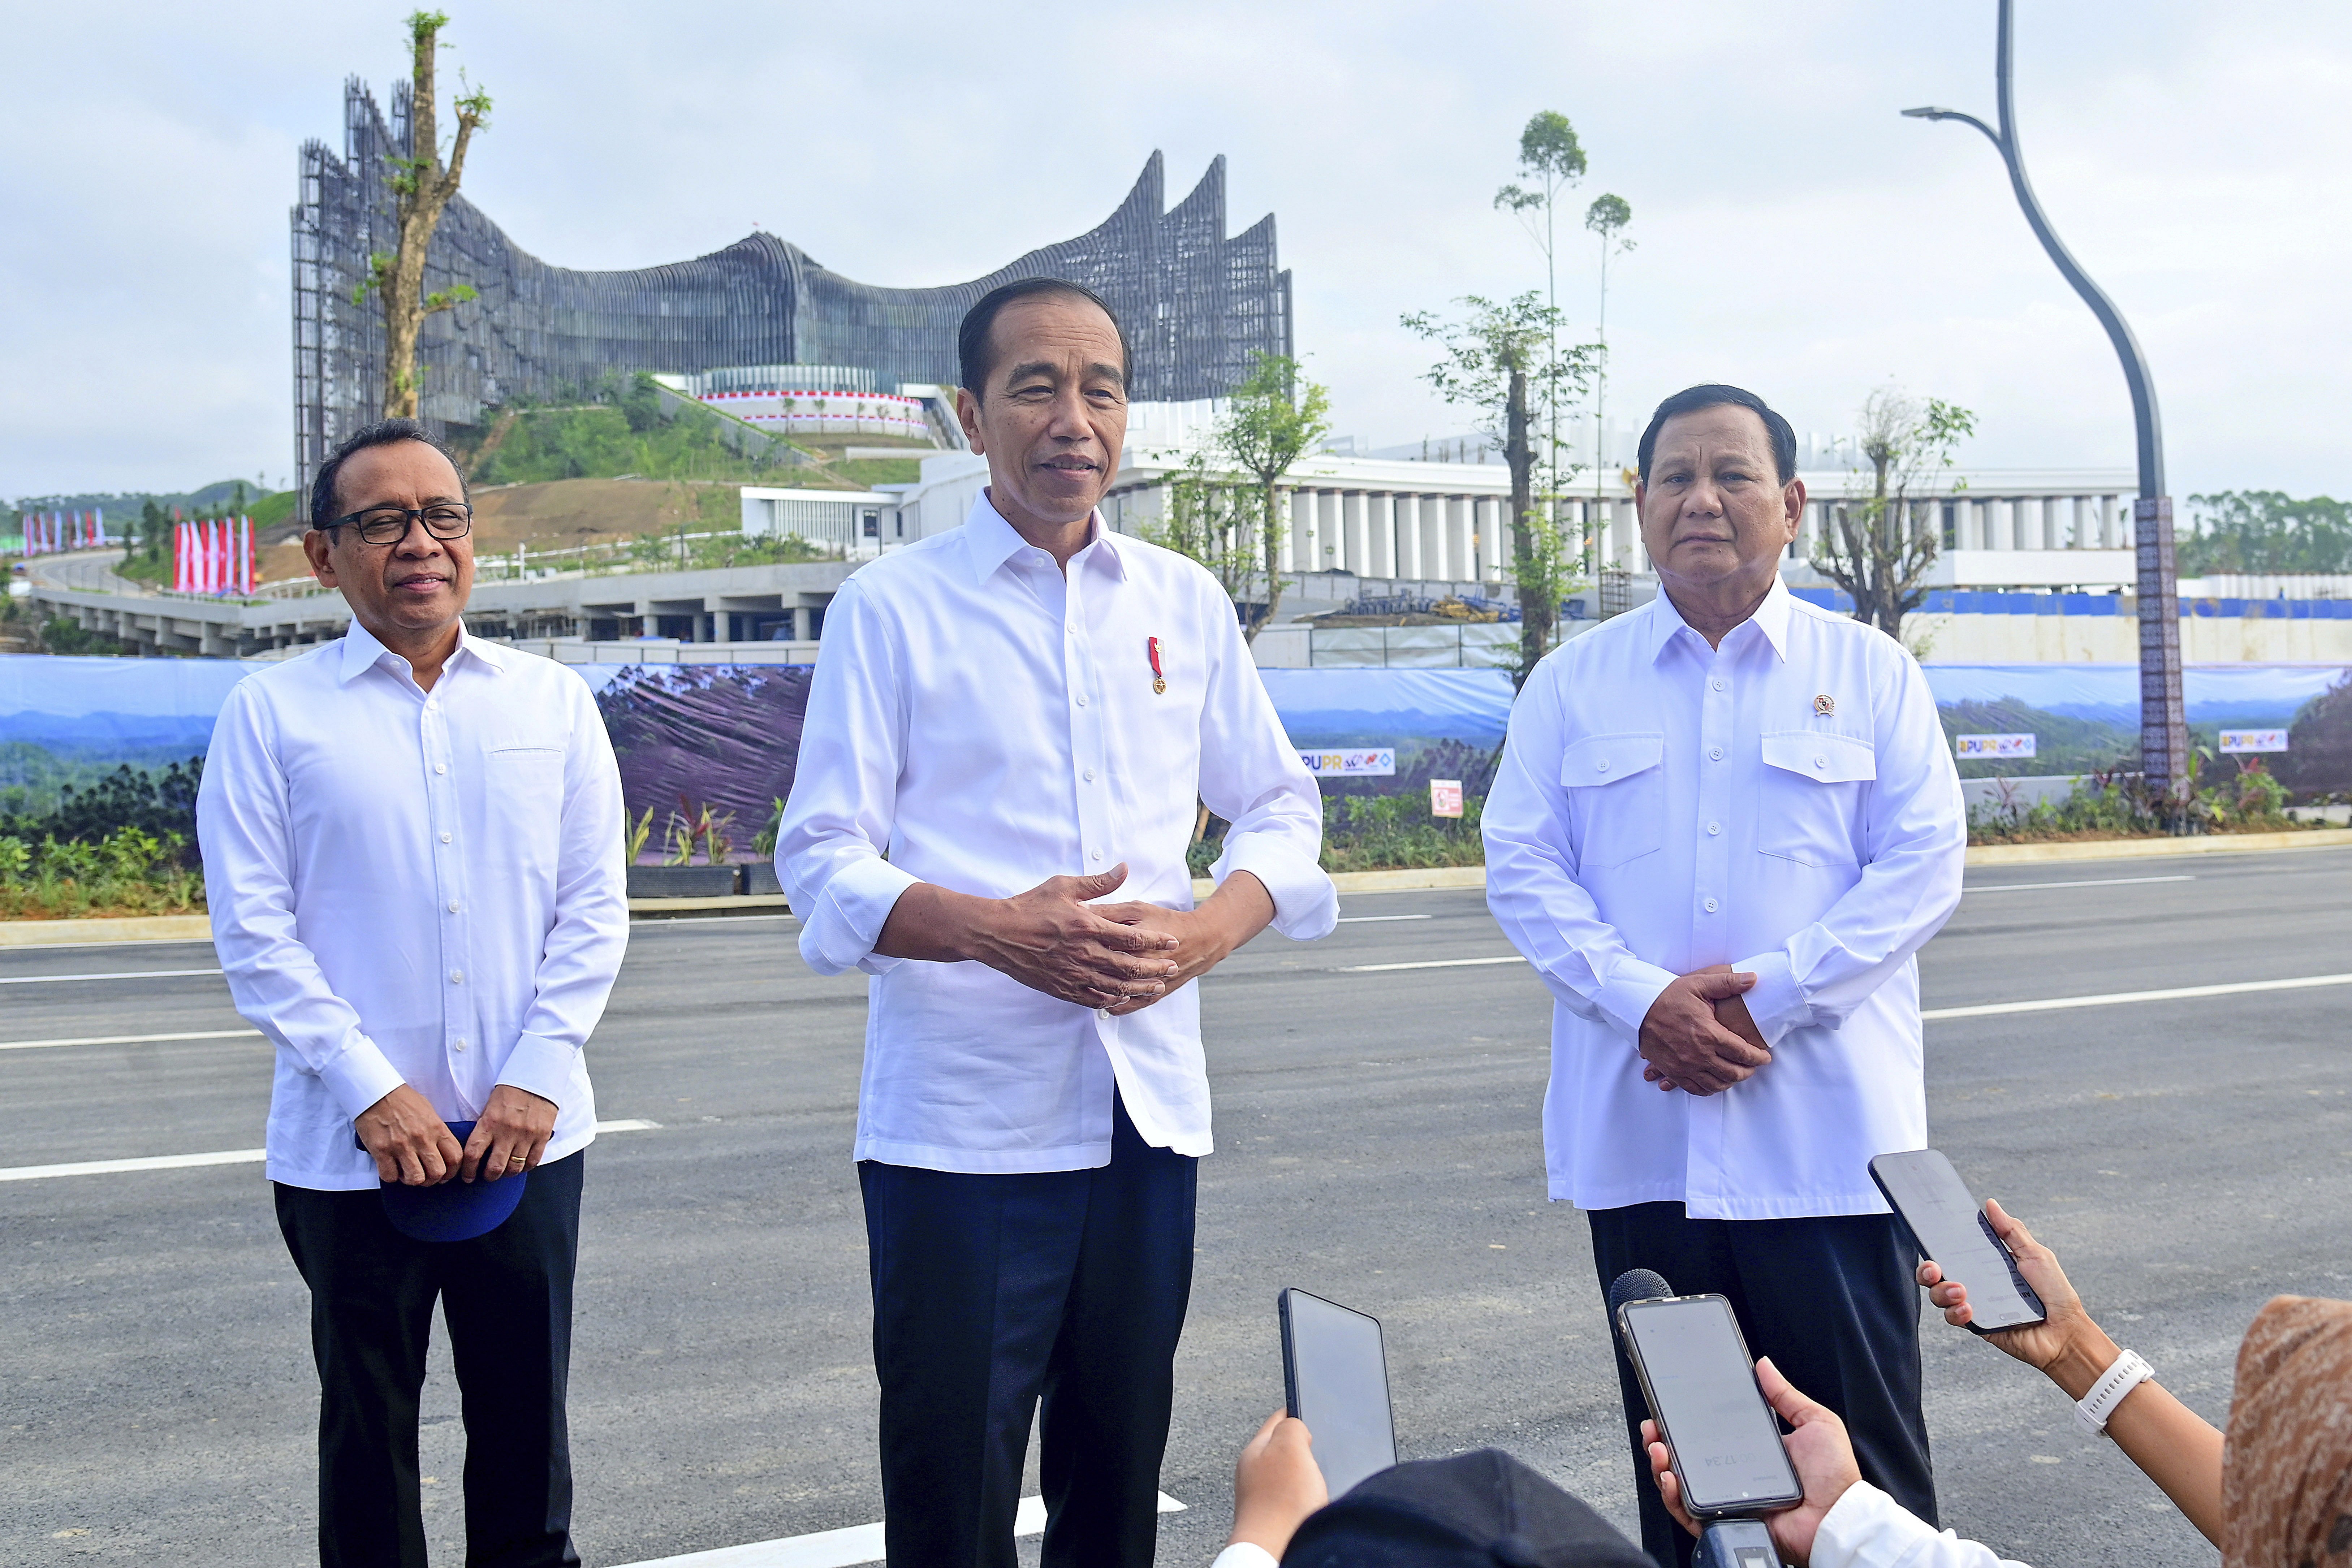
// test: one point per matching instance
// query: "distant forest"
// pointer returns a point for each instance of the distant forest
(2263, 533)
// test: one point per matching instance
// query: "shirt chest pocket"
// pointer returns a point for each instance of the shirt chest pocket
(1810, 798)
(1616, 789)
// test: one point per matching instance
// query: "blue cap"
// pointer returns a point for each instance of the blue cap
(456, 1210)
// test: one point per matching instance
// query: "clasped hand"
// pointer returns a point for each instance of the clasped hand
(413, 1146)
(1698, 1035)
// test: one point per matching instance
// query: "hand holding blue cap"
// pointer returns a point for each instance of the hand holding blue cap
(452, 1210)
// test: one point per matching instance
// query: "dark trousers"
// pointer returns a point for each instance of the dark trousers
(990, 1290)
(1832, 1302)
(507, 1300)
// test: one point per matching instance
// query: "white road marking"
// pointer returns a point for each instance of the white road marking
(218, 1157)
(1361, 919)
(126, 974)
(707, 920)
(842, 1548)
(1425, 964)
(132, 1040)
(2086, 882)
(2109, 999)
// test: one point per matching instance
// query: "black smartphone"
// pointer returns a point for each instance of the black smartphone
(1700, 1381)
(1335, 1377)
(1946, 1227)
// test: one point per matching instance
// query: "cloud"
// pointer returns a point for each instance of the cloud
(1794, 233)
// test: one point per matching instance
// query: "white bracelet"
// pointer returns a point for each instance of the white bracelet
(2091, 1412)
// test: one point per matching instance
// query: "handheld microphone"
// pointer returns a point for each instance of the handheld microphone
(1722, 1543)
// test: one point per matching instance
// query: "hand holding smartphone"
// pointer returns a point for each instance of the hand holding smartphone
(1700, 1382)
(1947, 1227)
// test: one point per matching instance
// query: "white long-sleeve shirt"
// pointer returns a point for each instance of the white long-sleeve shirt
(1867, 1528)
(988, 723)
(1785, 805)
(414, 887)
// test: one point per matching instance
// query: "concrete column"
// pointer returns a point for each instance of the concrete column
(1352, 553)
(1380, 528)
(1488, 519)
(1438, 536)
(2112, 534)
(1408, 535)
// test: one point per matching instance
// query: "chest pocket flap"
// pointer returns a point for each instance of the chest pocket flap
(1605, 759)
(1822, 755)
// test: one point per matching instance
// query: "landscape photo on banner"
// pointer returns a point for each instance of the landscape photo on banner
(727, 736)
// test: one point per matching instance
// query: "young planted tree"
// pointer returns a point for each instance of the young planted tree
(423, 187)
(1607, 217)
(1209, 517)
(1499, 363)
(1551, 158)
(1276, 417)
(1883, 539)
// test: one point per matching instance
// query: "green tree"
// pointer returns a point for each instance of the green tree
(1497, 363)
(1882, 540)
(422, 187)
(1607, 217)
(1551, 158)
(2265, 532)
(1276, 416)
(1208, 519)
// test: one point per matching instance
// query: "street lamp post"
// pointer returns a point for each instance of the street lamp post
(2163, 729)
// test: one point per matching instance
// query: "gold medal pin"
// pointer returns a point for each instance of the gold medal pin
(1159, 676)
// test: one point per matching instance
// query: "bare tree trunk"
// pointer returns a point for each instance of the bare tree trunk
(424, 188)
(1537, 609)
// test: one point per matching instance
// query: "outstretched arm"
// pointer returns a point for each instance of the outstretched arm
(2176, 1447)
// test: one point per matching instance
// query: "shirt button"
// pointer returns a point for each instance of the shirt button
(453, 904)
(1098, 854)
(456, 977)
(1710, 906)
(1711, 828)
(1715, 754)
(1719, 683)
(1602, 765)
(1090, 776)
(1821, 761)
(1102, 1011)
(444, 839)
(461, 1045)
(1081, 701)
(440, 768)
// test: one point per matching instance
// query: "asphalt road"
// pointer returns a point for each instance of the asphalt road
(1378, 1143)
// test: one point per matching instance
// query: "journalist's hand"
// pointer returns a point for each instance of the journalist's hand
(1048, 938)
(411, 1144)
(510, 1135)
(2066, 1345)
(1206, 936)
(1818, 1448)
(1686, 1046)
(1276, 1484)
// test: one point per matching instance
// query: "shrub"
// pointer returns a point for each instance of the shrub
(127, 872)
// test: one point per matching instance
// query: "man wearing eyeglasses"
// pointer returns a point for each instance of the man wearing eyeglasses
(412, 852)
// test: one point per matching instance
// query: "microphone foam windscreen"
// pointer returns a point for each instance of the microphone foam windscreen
(1637, 1285)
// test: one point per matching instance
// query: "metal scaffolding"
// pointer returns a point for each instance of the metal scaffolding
(1197, 305)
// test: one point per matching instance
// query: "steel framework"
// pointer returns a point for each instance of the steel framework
(1197, 304)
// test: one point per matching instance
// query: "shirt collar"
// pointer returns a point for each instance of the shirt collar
(1771, 618)
(362, 651)
(992, 541)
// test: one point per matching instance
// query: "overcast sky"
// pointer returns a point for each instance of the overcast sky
(1795, 235)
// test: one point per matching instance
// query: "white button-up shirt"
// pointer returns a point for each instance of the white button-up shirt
(1785, 805)
(987, 722)
(414, 887)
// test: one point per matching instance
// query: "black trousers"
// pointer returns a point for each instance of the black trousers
(1832, 1302)
(991, 1290)
(507, 1300)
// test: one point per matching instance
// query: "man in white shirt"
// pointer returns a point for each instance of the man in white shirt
(1020, 714)
(413, 851)
(1723, 826)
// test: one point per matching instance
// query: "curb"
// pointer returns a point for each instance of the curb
(2139, 849)
(731, 903)
(132, 928)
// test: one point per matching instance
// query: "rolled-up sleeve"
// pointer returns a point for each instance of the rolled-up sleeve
(242, 826)
(836, 826)
(1531, 885)
(581, 956)
(1251, 776)
(1915, 842)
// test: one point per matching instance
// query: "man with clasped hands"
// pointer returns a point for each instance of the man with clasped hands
(1723, 826)
(1020, 714)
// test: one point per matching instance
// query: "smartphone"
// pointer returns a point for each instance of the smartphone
(1700, 1381)
(1335, 1377)
(1945, 1226)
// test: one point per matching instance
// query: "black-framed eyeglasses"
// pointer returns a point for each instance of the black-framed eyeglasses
(389, 524)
